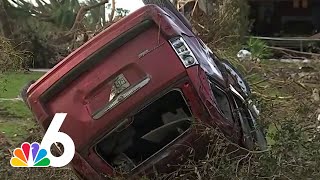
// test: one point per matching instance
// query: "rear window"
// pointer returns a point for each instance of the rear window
(146, 133)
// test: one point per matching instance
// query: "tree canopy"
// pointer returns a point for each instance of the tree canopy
(52, 29)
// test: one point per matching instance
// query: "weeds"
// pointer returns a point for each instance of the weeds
(293, 134)
(258, 48)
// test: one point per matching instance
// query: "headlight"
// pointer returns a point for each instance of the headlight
(183, 51)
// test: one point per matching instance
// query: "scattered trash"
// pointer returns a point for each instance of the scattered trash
(244, 55)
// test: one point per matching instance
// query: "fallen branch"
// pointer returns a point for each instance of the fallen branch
(201, 26)
(77, 26)
(272, 97)
(259, 82)
(293, 51)
(82, 12)
(8, 99)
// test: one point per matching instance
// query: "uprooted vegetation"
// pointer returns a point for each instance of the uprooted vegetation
(225, 27)
(11, 57)
(287, 95)
(289, 112)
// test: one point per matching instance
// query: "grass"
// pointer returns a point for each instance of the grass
(279, 91)
(16, 126)
(16, 130)
(11, 83)
(17, 109)
(16, 120)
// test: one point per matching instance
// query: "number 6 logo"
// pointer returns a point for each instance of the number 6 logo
(53, 136)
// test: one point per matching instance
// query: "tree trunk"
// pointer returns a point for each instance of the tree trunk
(77, 25)
(113, 9)
(82, 12)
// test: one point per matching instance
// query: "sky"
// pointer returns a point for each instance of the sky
(130, 5)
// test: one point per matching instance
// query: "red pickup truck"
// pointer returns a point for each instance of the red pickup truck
(133, 92)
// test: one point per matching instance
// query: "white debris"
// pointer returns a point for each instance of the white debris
(256, 109)
(315, 95)
(244, 55)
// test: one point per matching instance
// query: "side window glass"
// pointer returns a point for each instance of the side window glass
(246, 123)
(222, 102)
(244, 113)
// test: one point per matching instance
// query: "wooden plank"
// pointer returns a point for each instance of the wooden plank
(288, 42)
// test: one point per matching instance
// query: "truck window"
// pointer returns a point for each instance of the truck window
(146, 133)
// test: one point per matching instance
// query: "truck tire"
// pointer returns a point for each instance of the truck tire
(23, 92)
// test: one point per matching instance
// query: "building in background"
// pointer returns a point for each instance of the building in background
(271, 17)
(285, 17)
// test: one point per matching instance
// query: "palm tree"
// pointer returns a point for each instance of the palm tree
(9, 16)
(49, 27)
(122, 12)
(61, 13)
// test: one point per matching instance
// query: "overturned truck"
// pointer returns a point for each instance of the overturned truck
(134, 91)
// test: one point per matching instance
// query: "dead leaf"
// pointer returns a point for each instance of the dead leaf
(315, 95)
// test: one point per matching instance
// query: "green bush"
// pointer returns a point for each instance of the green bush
(258, 48)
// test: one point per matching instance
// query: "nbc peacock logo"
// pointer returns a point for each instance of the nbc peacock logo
(30, 156)
(39, 155)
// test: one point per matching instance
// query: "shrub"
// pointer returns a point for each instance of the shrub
(258, 48)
